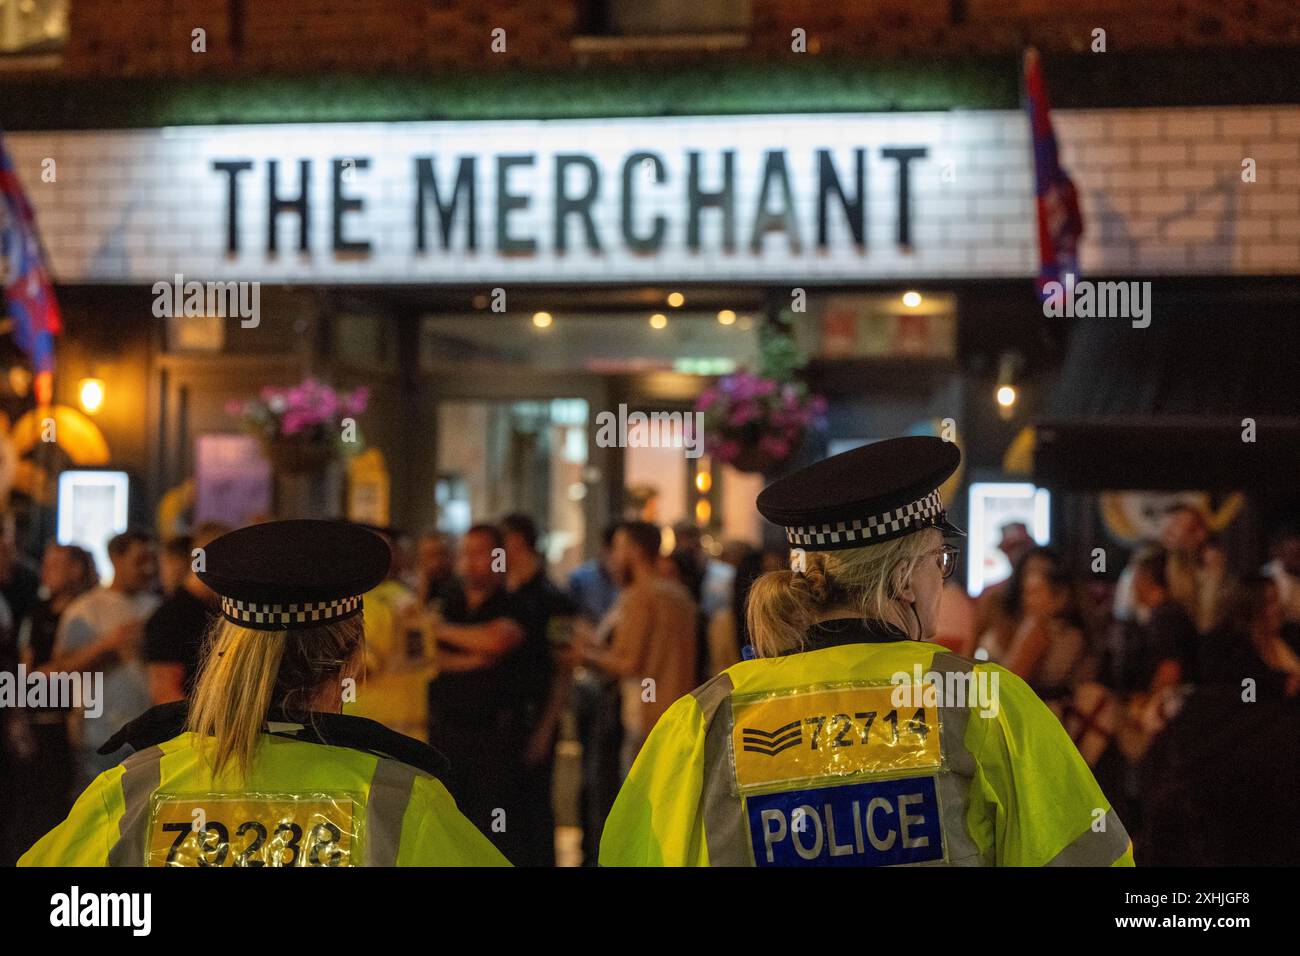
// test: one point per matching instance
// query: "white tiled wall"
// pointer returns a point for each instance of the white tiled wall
(1161, 190)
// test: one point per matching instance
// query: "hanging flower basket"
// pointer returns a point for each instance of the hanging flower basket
(755, 423)
(306, 431)
(756, 460)
(297, 457)
(303, 427)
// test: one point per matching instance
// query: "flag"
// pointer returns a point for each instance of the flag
(1060, 223)
(28, 292)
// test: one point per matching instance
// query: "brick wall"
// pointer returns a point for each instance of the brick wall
(153, 37)
(1163, 190)
(907, 28)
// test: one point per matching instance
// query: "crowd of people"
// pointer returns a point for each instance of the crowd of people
(1129, 667)
(471, 646)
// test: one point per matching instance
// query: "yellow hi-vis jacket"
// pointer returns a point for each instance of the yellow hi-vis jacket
(396, 688)
(816, 758)
(303, 804)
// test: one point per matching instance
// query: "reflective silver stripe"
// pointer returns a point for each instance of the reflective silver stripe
(954, 786)
(724, 817)
(390, 793)
(1094, 848)
(141, 777)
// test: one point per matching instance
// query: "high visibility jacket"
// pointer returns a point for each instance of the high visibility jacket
(816, 758)
(304, 803)
(395, 691)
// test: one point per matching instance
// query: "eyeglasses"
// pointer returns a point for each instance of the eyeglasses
(947, 559)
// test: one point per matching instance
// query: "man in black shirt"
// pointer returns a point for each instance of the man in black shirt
(174, 635)
(548, 616)
(478, 713)
(435, 559)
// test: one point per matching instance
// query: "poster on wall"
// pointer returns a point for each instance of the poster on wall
(369, 488)
(92, 509)
(878, 326)
(993, 506)
(233, 480)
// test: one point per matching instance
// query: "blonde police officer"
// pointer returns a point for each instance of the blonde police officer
(850, 741)
(262, 769)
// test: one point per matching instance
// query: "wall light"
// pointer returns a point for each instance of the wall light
(1006, 393)
(90, 393)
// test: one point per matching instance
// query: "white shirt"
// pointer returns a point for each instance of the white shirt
(126, 685)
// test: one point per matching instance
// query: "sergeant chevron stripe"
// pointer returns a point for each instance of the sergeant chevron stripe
(773, 742)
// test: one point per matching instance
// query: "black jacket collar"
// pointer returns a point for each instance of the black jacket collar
(845, 630)
(336, 730)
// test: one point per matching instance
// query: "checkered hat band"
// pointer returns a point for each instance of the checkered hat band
(279, 617)
(859, 532)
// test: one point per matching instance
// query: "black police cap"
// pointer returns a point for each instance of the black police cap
(284, 575)
(864, 496)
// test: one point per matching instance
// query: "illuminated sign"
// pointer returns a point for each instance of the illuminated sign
(803, 198)
(795, 200)
(448, 206)
(92, 508)
(993, 506)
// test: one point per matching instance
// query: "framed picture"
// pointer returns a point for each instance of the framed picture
(232, 479)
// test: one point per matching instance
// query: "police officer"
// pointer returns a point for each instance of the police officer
(262, 769)
(850, 741)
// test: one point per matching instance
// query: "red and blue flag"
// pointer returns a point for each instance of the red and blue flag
(29, 294)
(1060, 224)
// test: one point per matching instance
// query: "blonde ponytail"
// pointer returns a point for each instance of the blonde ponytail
(783, 605)
(246, 672)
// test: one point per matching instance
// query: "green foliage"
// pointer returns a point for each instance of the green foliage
(779, 356)
(810, 84)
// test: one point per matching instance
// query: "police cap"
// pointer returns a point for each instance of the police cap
(864, 496)
(284, 575)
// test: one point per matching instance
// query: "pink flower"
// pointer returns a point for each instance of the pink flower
(294, 422)
(326, 404)
(727, 450)
(774, 447)
(743, 414)
(358, 400)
